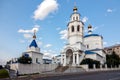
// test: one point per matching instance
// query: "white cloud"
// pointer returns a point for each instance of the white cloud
(2, 62)
(63, 34)
(94, 28)
(85, 19)
(39, 43)
(35, 28)
(109, 10)
(45, 8)
(27, 36)
(27, 33)
(4, 56)
(49, 54)
(105, 43)
(117, 42)
(47, 45)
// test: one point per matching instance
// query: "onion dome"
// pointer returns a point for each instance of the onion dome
(75, 9)
(89, 26)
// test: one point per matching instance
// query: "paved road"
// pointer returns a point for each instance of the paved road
(106, 75)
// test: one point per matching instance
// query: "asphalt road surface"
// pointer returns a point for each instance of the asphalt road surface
(106, 75)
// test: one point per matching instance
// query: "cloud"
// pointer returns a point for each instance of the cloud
(39, 43)
(85, 19)
(45, 8)
(94, 28)
(49, 54)
(27, 36)
(105, 43)
(117, 42)
(27, 33)
(35, 28)
(109, 10)
(47, 45)
(63, 34)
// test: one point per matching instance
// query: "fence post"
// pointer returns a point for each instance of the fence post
(106, 66)
(100, 66)
(94, 66)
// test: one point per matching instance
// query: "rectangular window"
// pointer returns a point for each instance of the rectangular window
(36, 60)
(87, 46)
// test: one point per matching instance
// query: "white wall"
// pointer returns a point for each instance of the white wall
(36, 55)
(94, 42)
(33, 68)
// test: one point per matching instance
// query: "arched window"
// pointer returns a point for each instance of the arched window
(76, 17)
(36, 60)
(72, 28)
(78, 28)
(73, 18)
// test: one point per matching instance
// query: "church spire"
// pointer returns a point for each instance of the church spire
(33, 43)
(75, 8)
(34, 36)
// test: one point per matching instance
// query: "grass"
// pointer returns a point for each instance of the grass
(4, 73)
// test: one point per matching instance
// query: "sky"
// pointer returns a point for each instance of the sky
(19, 19)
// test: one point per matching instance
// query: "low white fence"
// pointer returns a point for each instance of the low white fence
(85, 67)
(33, 68)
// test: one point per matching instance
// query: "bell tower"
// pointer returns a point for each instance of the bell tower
(73, 53)
(75, 28)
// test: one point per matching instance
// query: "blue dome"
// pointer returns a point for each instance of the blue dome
(91, 35)
(33, 44)
(89, 52)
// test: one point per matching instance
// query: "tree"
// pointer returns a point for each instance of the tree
(25, 60)
(112, 60)
(91, 62)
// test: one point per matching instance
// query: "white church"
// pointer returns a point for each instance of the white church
(81, 46)
(33, 51)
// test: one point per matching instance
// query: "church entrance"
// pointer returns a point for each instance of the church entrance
(69, 57)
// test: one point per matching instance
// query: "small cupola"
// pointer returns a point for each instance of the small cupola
(75, 9)
(33, 43)
(89, 29)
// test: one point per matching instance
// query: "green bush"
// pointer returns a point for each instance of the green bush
(91, 62)
(4, 73)
(112, 60)
(25, 60)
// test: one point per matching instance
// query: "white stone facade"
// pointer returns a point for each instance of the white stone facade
(78, 44)
(93, 42)
(34, 52)
(32, 68)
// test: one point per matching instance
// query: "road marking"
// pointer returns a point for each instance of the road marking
(117, 78)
